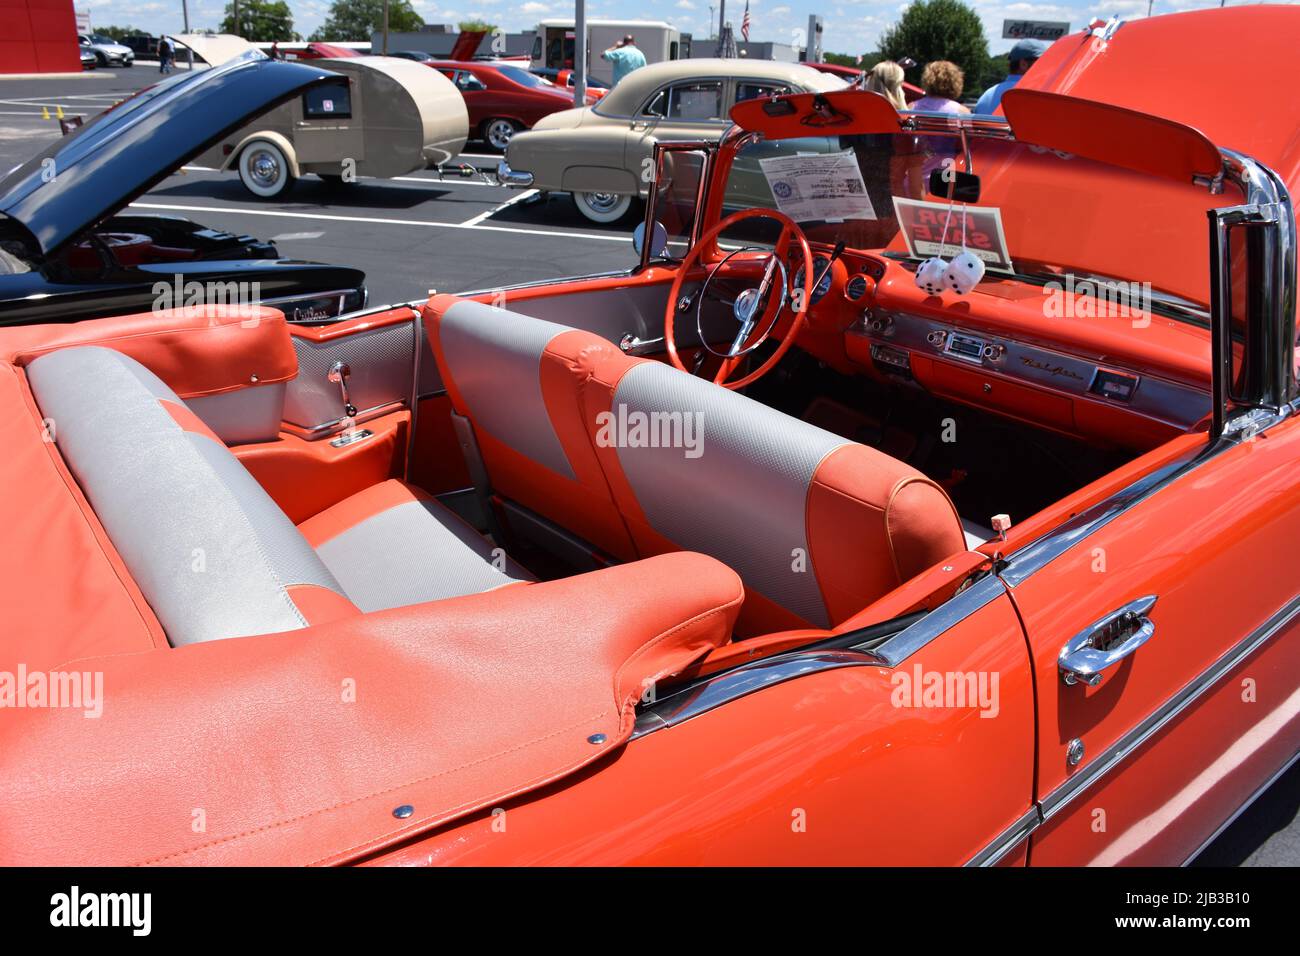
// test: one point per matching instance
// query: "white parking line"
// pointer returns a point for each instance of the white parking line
(239, 211)
(496, 209)
(427, 180)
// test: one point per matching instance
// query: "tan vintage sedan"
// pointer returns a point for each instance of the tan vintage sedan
(601, 154)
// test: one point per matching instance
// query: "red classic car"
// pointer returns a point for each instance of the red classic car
(502, 97)
(770, 550)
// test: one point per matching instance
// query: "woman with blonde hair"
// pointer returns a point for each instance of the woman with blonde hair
(886, 78)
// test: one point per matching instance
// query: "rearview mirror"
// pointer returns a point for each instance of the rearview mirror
(953, 185)
(658, 239)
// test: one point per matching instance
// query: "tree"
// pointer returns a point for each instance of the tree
(117, 33)
(939, 30)
(468, 25)
(260, 20)
(358, 19)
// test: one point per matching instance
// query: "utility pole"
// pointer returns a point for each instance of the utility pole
(236, 17)
(189, 53)
(385, 27)
(579, 53)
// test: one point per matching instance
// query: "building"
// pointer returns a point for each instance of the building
(39, 36)
(756, 50)
(438, 39)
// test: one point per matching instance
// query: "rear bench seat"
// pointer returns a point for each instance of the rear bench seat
(211, 552)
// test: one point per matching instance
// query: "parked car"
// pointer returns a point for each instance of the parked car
(599, 154)
(108, 52)
(315, 51)
(88, 59)
(142, 45)
(381, 116)
(502, 98)
(68, 252)
(419, 56)
(564, 80)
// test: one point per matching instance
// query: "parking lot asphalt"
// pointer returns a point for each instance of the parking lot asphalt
(416, 234)
(409, 235)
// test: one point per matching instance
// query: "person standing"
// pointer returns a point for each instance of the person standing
(1022, 56)
(625, 56)
(166, 55)
(942, 82)
(886, 78)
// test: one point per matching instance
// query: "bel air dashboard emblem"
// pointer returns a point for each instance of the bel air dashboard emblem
(1050, 368)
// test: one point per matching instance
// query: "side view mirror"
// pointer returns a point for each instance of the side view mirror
(658, 239)
(953, 185)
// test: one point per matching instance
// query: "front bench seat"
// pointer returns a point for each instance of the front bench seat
(817, 526)
(212, 553)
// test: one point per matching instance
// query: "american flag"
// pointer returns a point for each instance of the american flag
(744, 24)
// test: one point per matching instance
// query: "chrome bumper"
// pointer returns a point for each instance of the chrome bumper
(509, 177)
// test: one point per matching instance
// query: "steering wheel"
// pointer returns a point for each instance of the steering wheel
(753, 328)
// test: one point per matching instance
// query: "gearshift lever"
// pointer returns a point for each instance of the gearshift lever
(338, 374)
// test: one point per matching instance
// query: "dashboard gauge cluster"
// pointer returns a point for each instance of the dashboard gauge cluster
(823, 285)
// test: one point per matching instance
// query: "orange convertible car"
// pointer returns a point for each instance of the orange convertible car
(789, 546)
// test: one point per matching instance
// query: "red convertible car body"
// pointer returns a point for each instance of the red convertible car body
(590, 608)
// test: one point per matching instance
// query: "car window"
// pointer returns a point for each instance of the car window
(694, 101)
(751, 89)
(466, 80)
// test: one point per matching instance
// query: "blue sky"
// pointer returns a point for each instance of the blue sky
(851, 26)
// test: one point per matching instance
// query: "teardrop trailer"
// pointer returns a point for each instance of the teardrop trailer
(385, 117)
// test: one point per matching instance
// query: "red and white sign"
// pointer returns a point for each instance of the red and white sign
(922, 224)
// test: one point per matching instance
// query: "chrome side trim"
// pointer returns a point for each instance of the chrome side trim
(1032, 557)
(903, 645)
(618, 273)
(1008, 839)
(757, 675)
(742, 681)
(1093, 771)
(365, 415)
(1259, 792)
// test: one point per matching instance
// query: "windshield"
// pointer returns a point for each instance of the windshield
(1041, 215)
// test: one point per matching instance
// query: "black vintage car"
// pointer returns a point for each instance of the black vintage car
(65, 254)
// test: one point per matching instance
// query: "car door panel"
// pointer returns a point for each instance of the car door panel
(1213, 557)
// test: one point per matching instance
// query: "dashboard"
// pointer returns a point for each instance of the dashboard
(1133, 380)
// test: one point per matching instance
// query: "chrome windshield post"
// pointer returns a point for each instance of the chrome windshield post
(1264, 383)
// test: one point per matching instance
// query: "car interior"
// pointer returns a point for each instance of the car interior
(880, 448)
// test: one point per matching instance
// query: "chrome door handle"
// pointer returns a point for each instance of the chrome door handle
(1106, 642)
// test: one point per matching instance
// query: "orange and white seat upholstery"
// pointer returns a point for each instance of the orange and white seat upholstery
(517, 380)
(211, 552)
(393, 545)
(817, 526)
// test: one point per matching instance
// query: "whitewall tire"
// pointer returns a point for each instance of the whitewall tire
(264, 169)
(602, 207)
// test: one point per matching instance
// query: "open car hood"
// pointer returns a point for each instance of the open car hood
(88, 176)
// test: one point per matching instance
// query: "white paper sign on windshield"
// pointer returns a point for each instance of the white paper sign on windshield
(818, 187)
